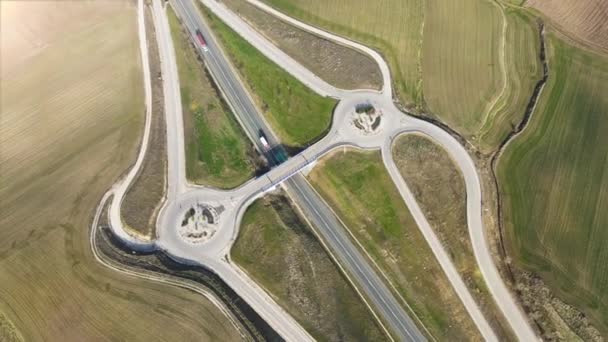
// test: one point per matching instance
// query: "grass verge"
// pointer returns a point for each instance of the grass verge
(359, 188)
(337, 64)
(70, 126)
(218, 152)
(554, 183)
(144, 198)
(439, 188)
(297, 114)
(278, 249)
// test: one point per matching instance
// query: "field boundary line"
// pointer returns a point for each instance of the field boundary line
(503, 68)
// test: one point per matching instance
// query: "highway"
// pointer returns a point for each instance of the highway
(501, 294)
(305, 197)
(348, 256)
(214, 253)
(225, 77)
(316, 210)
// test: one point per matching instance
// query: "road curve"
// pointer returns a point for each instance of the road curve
(501, 294)
(122, 186)
(325, 222)
(165, 280)
(436, 246)
(285, 325)
(258, 299)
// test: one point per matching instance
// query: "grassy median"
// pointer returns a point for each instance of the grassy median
(297, 114)
(144, 198)
(360, 190)
(439, 188)
(218, 152)
(278, 249)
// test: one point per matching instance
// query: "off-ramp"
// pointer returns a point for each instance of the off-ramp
(213, 253)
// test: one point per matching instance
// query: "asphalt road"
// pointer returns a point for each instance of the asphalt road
(502, 295)
(317, 211)
(223, 74)
(214, 255)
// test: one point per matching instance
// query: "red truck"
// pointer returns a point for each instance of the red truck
(201, 40)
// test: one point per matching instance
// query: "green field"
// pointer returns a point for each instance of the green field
(445, 57)
(439, 188)
(297, 114)
(70, 126)
(554, 183)
(218, 152)
(461, 60)
(359, 188)
(522, 49)
(278, 249)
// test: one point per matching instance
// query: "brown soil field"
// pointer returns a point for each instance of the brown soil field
(144, 199)
(70, 126)
(585, 21)
(338, 65)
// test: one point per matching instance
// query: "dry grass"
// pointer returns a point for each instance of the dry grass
(145, 196)
(70, 125)
(585, 21)
(359, 188)
(554, 182)
(280, 251)
(440, 191)
(338, 65)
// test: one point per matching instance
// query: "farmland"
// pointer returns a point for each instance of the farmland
(359, 188)
(522, 49)
(554, 182)
(584, 21)
(273, 239)
(66, 134)
(447, 59)
(338, 65)
(217, 150)
(461, 70)
(296, 114)
(439, 188)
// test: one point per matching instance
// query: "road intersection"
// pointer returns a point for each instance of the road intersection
(230, 205)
